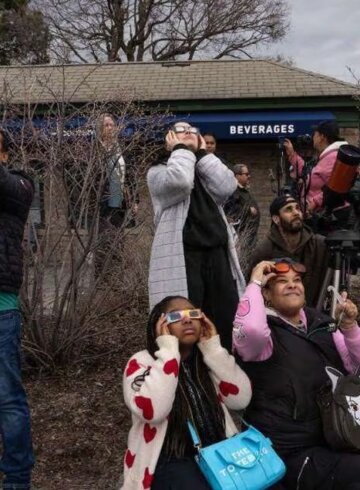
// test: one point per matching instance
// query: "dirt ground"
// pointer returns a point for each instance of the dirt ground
(79, 420)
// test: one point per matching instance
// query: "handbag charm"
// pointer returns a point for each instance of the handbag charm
(245, 461)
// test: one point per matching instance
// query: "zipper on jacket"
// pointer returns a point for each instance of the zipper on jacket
(295, 412)
(306, 460)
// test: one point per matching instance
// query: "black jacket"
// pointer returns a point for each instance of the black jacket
(237, 209)
(16, 194)
(285, 385)
(311, 252)
(96, 184)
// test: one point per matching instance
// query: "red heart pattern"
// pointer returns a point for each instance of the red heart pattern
(129, 458)
(148, 478)
(228, 388)
(146, 406)
(132, 367)
(172, 367)
(149, 433)
(220, 399)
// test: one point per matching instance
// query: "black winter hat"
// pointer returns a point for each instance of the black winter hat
(279, 202)
(329, 129)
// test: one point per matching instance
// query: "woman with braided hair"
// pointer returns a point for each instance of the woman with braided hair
(184, 374)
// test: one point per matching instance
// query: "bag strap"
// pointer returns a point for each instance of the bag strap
(194, 435)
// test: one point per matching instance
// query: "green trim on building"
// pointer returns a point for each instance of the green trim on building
(301, 103)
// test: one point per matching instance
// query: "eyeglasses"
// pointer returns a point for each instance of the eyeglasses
(176, 316)
(284, 267)
(186, 129)
(245, 173)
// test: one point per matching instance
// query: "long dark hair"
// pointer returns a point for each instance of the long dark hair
(176, 440)
(5, 141)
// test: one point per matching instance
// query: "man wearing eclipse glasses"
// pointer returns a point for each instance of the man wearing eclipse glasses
(193, 252)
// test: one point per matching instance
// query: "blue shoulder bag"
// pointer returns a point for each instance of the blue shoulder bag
(245, 461)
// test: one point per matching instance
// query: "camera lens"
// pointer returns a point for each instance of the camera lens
(304, 139)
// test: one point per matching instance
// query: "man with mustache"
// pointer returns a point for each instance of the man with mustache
(290, 237)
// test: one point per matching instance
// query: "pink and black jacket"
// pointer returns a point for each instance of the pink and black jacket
(286, 367)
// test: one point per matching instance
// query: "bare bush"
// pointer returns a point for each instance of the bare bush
(80, 277)
(244, 242)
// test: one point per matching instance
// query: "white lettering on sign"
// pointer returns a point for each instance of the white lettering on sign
(275, 129)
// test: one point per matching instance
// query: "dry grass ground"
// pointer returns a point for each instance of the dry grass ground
(79, 419)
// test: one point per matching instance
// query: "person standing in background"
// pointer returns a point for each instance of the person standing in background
(16, 194)
(193, 252)
(311, 181)
(119, 200)
(241, 208)
(117, 196)
(210, 141)
(211, 147)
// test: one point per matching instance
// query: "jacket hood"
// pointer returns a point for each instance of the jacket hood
(333, 147)
(275, 236)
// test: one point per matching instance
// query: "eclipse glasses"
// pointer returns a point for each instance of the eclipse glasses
(178, 128)
(176, 316)
(284, 267)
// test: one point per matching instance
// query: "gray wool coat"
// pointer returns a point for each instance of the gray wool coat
(170, 187)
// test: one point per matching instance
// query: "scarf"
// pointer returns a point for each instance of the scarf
(116, 174)
(201, 409)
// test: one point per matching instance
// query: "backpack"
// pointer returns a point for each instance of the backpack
(339, 403)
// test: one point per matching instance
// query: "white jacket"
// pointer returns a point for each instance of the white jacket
(170, 188)
(153, 402)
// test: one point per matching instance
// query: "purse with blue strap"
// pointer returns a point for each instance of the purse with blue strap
(245, 461)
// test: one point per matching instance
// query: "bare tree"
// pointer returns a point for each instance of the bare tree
(138, 30)
(68, 306)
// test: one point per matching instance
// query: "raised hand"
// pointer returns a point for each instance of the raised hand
(202, 143)
(171, 140)
(346, 313)
(208, 329)
(288, 147)
(263, 271)
(162, 326)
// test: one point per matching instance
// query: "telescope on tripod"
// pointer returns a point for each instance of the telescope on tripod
(344, 247)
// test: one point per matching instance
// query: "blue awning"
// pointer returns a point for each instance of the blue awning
(225, 125)
(255, 125)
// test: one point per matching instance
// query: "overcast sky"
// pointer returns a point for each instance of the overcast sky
(324, 37)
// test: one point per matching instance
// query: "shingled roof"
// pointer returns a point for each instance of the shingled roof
(155, 81)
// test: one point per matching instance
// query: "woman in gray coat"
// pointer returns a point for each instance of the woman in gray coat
(193, 253)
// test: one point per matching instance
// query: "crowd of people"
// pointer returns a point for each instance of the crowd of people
(214, 344)
(220, 347)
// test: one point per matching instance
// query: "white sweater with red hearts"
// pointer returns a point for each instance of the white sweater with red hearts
(152, 403)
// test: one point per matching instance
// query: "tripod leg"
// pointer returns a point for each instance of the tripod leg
(327, 281)
(336, 284)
